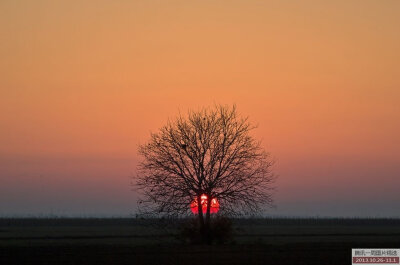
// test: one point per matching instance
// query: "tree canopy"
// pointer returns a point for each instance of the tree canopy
(211, 152)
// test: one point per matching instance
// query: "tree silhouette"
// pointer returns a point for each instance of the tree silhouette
(210, 152)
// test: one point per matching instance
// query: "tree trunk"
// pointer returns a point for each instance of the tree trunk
(201, 218)
(207, 224)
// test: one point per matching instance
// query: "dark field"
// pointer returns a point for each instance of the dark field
(131, 241)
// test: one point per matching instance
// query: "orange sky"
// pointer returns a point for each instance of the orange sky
(82, 83)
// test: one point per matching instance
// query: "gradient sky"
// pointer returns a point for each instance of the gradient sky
(82, 83)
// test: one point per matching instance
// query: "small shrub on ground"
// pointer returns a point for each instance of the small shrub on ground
(221, 231)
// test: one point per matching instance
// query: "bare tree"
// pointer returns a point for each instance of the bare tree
(208, 152)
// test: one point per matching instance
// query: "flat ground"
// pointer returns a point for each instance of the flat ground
(130, 241)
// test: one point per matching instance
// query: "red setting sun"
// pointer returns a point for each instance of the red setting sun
(214, 205)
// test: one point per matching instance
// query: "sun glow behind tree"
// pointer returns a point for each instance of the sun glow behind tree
(214, 208)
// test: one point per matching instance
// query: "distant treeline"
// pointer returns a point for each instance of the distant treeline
(83, 221)
(318, 221)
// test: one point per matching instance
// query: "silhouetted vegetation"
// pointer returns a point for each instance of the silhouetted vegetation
(221, 231)
(83, 221)
(207, 156)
